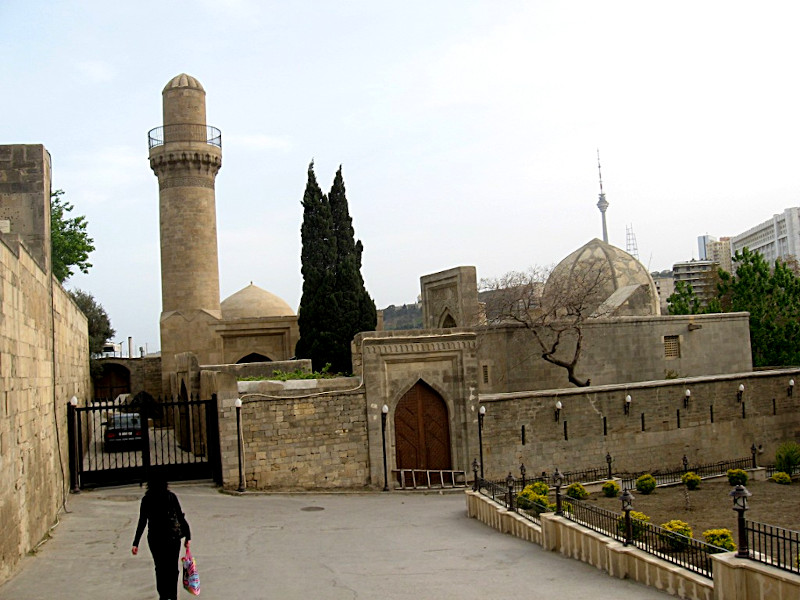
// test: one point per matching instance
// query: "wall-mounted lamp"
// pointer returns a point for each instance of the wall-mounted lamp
(627, 404)
(740, 392)
(790, 389)
(558, 410)
(73, 401)
(686, 397)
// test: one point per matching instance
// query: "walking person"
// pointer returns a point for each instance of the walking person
(166, 525)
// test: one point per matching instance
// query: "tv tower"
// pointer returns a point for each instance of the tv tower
(602, 204)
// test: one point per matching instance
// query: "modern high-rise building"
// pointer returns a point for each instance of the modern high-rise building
(779, 237)
(700, 274)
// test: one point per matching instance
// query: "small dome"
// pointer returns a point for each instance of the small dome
(253, 302)
(183, 81)
(622, 280)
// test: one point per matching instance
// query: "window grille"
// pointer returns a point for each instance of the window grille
(672, 346)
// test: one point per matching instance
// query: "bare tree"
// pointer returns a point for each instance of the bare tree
(553, 306)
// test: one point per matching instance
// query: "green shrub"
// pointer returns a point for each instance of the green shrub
(646, 484)
(737, 477)
(721, 538)
(535, 503)
(577, 491)
(539, 488)
(787, 457)
(610, 489)
(640, 523)
(782, 478)
(691, 480)
(676, 535)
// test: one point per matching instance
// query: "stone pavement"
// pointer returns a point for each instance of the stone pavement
(287, 546)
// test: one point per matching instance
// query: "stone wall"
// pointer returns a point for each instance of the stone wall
(618, 350)
(34, 392)
(295, 435)
(657, 433)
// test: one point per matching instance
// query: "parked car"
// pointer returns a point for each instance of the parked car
(122, 430)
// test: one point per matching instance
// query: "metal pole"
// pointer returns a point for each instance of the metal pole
(239, 444)
(475, 486)
(383, 440)
(480, 440)
(753, 451)
(628, 528)
(559, 512)
(73, 413)
(608, 460)
(744, 550)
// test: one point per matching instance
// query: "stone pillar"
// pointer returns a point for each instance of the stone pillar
(185, 155)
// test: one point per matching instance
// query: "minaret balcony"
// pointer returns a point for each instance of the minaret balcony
(184, 132)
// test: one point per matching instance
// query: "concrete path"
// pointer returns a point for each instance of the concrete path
(338, 546)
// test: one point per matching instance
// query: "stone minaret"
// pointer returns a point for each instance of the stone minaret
(186, 155)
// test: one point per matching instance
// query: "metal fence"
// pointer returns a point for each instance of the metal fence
(774, 546)
(673, 547)
(667, 477)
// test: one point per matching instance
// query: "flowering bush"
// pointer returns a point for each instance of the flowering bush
(577, 491)
(535, 503)
(737, 477)
(539, 488)
(610, 489)
(782, 478)
(691, 480)
(721, 538)
(677, 535)
(646, 484)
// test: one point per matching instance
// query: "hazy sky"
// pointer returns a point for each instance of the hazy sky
(467, 130)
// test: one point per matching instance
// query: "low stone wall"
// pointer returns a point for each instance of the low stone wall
(734, 578)
(297, 435)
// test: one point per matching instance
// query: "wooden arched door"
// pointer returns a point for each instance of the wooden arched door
(422, 431)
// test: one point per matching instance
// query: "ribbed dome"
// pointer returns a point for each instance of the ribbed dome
(621, 279)
(254, 302)
(183, 81)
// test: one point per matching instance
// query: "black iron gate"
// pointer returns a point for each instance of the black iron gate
(120, 441)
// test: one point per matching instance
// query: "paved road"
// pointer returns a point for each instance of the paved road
(338, 546)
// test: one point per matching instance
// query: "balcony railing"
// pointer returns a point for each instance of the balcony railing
(184, 132)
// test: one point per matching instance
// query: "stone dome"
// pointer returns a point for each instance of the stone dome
(623, 288)
(183, 81)
(252, 302)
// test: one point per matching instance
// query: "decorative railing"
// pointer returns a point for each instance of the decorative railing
(674, 476)
(675, 548)
(774, 545)
(184, 132)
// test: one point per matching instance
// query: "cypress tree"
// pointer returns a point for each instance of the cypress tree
(318, 255)
(335, 304)
(356, 308)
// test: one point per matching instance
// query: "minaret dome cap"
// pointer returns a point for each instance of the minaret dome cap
(183, 81)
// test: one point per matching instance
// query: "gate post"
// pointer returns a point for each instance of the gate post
(74, 454)
(145, 417)
(212, 439)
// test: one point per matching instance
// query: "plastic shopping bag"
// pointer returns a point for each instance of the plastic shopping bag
(191, 578)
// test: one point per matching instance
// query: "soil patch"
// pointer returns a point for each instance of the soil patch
(711, 507)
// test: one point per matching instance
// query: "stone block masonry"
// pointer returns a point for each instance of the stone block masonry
(298, 439)
(44, 360)
(658, 431)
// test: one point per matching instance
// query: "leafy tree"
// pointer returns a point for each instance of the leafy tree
(71, 244)
(335, 305)
(100, 330)
(683, 301)
(772, 297)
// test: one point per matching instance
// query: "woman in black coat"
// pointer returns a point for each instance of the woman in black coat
(166, 525)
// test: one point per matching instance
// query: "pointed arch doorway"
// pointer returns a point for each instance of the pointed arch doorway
(422, 431)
